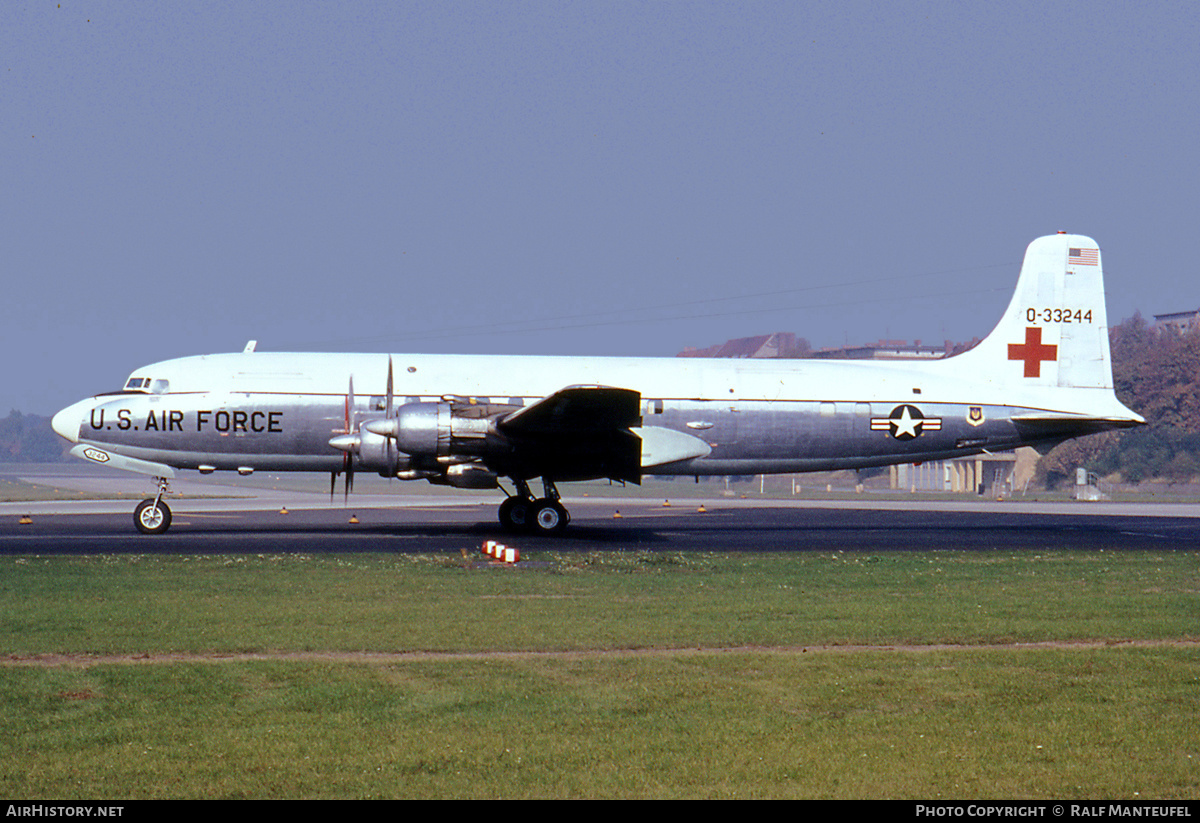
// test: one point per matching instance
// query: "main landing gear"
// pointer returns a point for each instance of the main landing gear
(152, 515)
(522, 513)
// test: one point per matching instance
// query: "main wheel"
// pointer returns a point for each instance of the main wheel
(514, 513)
(151, 519)
(549, 517)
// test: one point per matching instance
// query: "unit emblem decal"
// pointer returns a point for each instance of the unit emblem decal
(906, 423)
(975, 415)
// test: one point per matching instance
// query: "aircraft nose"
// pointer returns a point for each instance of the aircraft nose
(67, 422)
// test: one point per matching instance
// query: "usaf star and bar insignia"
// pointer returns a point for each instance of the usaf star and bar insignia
(906, 422)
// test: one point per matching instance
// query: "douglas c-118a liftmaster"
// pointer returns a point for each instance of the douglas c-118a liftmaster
(1041, 377)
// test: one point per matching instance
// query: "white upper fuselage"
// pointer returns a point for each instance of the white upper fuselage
(503, 376)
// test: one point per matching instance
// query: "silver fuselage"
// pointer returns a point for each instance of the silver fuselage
(278, 411)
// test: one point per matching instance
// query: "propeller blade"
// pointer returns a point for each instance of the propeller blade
(349, 461)
(389, 387)
(391, 444)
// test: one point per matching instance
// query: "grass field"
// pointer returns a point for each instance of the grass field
(922, 675)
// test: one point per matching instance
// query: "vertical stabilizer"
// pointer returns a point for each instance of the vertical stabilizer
(1055, 331)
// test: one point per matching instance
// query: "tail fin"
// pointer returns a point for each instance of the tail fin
(1055, 331)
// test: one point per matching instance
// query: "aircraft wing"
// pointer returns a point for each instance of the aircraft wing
(580, 432)
(577, 409)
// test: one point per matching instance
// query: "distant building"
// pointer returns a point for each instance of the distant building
(786, 344)
(779, 344)
(1183, 321)
(994, 475)
(885, 350)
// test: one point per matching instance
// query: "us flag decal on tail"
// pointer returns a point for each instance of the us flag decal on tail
(1083, 257)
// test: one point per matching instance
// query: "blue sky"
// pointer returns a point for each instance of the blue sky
(617, 178)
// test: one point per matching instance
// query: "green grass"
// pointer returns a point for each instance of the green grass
(602, 675)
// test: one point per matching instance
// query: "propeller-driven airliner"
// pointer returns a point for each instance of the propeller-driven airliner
(1041, 377)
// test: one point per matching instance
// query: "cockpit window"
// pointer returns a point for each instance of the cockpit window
(138, 384)
(160, 386)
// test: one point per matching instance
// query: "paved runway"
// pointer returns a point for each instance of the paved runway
(726, 526)
(235, 517)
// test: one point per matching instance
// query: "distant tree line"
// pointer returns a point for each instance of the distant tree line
(28, 438)
(1156, 372)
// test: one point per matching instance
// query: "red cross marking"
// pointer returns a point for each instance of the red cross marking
(1032, 351)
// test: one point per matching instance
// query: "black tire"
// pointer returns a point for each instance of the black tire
(515, 513)
(549, 517)
(151, 521)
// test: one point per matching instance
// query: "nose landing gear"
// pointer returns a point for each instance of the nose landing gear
(152, 516)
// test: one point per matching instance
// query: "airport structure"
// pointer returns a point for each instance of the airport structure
(885, 350)
(778, 344)
(993, 475)
(1182, 321)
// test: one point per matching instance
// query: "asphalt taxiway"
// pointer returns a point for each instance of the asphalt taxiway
(230, 527)
(237, 517)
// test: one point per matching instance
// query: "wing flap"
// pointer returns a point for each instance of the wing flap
(578, 433)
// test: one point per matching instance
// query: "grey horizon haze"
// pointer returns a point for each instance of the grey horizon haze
(607, 178)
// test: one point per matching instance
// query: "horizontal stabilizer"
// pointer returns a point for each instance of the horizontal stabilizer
(1076, 423)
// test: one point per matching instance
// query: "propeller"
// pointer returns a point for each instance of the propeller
(348, 461)
(348, 443)
(391, 442)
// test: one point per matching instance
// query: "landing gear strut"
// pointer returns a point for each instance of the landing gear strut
(152, 516)
(546, 515)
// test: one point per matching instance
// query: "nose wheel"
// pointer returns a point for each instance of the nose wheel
(152, 515)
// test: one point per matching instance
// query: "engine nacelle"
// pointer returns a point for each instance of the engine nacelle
(467, 476)
(434, 430)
